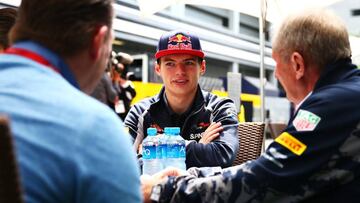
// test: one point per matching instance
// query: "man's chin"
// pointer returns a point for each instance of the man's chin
(181, 92)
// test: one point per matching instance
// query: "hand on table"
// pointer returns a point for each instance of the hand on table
(212, 132)
(147, 181)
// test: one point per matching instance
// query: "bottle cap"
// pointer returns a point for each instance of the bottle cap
(167, 130)
(175, 130)
(151, 131)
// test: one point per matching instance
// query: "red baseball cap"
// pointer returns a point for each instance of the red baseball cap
(179, 42)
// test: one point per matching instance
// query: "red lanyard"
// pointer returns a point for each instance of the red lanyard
(31, 55)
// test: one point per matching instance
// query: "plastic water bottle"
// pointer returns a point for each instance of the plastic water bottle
(161, 150)
(151, 164)
(166, 136)
(176, 151)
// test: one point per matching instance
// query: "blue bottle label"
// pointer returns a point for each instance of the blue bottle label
(161, 151)
(173, 151)
(182, 151)
(149, 152)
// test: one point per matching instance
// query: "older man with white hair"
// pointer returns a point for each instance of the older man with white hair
(316, 158)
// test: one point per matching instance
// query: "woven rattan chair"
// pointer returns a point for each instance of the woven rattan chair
(251, 136)
(10, 187)
(276, 129)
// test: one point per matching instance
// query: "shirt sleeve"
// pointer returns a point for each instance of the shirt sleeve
(134, 122)
(304, 160)
(108, 169)
(221, 151)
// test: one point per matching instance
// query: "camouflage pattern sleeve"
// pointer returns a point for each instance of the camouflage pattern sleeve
(309, 159)
(209, 185)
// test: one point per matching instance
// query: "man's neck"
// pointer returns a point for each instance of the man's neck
(82, 71)
(180, 103)
(306, 86)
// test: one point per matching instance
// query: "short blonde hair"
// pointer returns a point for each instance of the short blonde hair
(318, 35)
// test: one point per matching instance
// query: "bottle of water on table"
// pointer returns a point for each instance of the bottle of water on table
(151, 163)
(162, 147)
(166, 136)
(176, 151)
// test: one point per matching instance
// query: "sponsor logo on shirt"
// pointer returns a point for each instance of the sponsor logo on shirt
(202, 125)
(275, 157)
(291, 143)
(273, 160)
(196, 136)
(306, 121)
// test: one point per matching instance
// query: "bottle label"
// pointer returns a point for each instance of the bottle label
(176, 151)
(149, 152)
(182, 151)
(161, 151)
(172, 151)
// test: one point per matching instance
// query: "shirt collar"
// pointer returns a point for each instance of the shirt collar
(198, 100)
(51, 57)
(302, 101)
(171, 112)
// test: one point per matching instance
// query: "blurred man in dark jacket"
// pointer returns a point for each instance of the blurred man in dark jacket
(124, 88)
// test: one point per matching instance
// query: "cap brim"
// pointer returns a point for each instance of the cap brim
(169, 52)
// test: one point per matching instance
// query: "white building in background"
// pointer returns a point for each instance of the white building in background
(349, 11)
(229, 39)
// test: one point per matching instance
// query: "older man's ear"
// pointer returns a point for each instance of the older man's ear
(298, 65)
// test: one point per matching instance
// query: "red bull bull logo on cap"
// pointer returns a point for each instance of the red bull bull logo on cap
(179, 41)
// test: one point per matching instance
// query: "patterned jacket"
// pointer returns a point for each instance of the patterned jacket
(206, 108)
(316, 158)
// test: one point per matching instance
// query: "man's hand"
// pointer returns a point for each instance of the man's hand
(212, 132)
(147, 182)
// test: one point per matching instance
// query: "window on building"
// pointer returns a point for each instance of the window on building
(212, 17)
(355, 12)
(249, 25)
